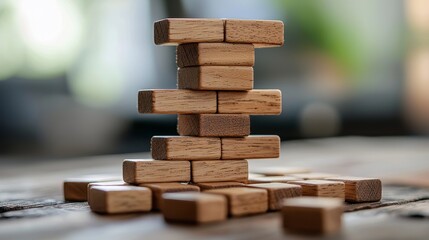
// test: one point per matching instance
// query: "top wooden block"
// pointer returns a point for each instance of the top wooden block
(261, 33)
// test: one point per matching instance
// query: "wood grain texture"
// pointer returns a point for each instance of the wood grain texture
(120, 199)
(215, 54)
(158, 189)
(262, 33)
(358, 189)
(173, 101)
(109, 183)
(251, 147)
(277, 192)
(313, 175)
(270, 179)
(321, 188)
(279, 170)
(185, 148)
(312, 215)
(243, 201)
(194, 207)
(214, 185)
(76, 189)
(215, 78)
(254, 102)
(219, 170)
(213, 125)
(173, 31)
(150, 171)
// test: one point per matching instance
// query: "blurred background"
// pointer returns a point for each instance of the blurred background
(70, 71)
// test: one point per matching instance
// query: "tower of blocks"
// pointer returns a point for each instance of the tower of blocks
(202, 174)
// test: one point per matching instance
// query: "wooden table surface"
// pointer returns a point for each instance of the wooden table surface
(31, 204)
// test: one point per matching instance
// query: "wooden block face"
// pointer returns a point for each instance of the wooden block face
(280, 171)
(251, 147)
(272, 179)
(314, 215)
(359, 189)
(219, 170)
(76, 189)
(194, 207)
(173, 31)
(173, 101)
(213, 125)
(215, 185)
(262, 33)
(149, 171)
(321, 188)
(253, 102)
(313, 175)
(244, 201)
(109, 183)
(277, 192)
(215, 78)
(160, 188)
(215, 54)
(120, 199)
(185, 148)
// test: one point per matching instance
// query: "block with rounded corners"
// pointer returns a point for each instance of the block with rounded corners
(251, 147)
(261, 33)
(108, 183)
(213, 125)
(214, 185)
(76, 189)
(279, 170)
(219, 171)
(158, 189)
(321, 188)
(253, 102)
(185, 148)
(360, 189)
(277, 192)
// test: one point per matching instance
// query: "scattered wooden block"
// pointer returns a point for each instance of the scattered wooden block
(120, 199)
(312, 215)
(313, 175)
(262, 33)
(277, 192)
(109, 183)
(254, 102)
(358, 189)
(219, 170)
(280, 171)
(173, 31)
(251, 147)
(194, 207)
(244, 201)
(213, 125)
(149, 171)
(215, 78)
(321, 188)
(173, 101)
(160, 188)
(270, 179)
(185, 148)
(215, 54)
(214, 185)
(76, 189)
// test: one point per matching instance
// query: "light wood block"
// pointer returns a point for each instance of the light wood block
(215, 54)
(244, 201)
(194, 207)
(262, 33)
(277, 192)
(173, 101)
(150, 171)
(215, 78)
(173, 31)
(219, 170)
(76, 189)
(359, 189)
(313, 175)
(321, 188)
(158, 189)
(120, 199)
(270, 179)
(109, 183)
(214, 185)
(251, 147)
(185, 148)
(254, 102)
(213, 125)
(279, 171)
(312, 215)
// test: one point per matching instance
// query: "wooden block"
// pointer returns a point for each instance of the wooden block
(149, 171)
(120, 199)
(213, 125)
(219, 170)
(194, 207)
(215, 78)
(215, 54)
(109, 183)
(160, 188)
(76, 189)
(312, 215)
(269, 179)
(173, 101)
(185, 148)
(280, 171)
(262, 33)
(244, 201)
(313, 175)
(251, 147)
(359, 189)
(254, 102)
(321, 188)
(277, 192)
(173, 31)
(214, 185)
